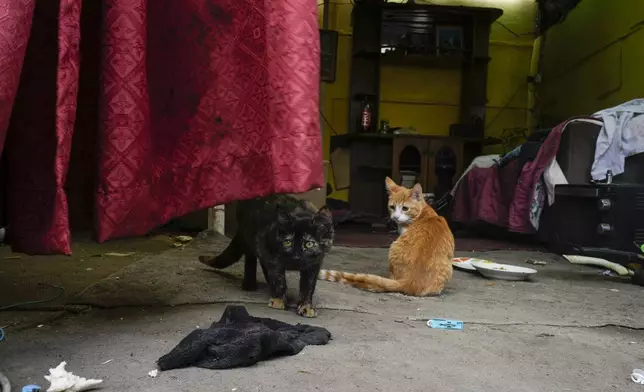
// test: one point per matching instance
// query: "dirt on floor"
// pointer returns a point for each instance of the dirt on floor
(26, 278)
(570, 329)
(560, 294)
(368, 353)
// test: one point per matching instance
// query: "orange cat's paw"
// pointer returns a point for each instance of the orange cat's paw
(277, 303)
(306, 310)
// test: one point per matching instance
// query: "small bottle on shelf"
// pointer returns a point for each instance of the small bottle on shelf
(365, 119)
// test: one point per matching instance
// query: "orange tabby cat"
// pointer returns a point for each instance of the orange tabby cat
(420, 260)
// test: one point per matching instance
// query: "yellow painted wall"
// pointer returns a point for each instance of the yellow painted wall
(593, 60)
(428, 99)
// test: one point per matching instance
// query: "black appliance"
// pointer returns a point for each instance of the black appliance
(597, 216)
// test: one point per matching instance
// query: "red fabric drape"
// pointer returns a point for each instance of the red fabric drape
(200, 102)
(15, 23)
(38, 139)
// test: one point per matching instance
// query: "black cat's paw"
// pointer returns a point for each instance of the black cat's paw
(306, 310)
(249, 286)
(207, 260)
(277, 303)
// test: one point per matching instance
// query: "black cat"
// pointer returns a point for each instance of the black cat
(285, 234)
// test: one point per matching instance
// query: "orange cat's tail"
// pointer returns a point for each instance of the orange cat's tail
(367, 282)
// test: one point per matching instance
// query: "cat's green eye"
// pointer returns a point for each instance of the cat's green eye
(405, 208)
(392, 208)
(308, 244)
(288, 243)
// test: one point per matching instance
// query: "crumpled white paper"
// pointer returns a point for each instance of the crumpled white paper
(638, 376)
(63, 381)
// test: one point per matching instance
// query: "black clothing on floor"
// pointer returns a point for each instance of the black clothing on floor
(239, 339)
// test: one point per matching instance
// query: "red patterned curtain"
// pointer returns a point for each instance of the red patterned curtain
(151, 110)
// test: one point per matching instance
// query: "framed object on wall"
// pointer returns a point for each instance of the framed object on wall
(449, 40)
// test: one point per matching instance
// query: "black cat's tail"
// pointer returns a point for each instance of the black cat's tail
(228, 257)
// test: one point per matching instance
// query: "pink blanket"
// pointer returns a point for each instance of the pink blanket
(510, 197)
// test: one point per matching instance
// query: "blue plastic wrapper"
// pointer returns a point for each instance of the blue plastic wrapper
(445, 324)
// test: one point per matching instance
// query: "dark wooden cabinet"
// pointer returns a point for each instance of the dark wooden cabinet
(448, 159)
(365, 64)
(438, 161)
(371, 159)
(414, 35)
(411, 154)
(375, 23)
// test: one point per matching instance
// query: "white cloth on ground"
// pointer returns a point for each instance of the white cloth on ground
(621, 136)
(480, 161)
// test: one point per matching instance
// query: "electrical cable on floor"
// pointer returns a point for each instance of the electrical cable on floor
(61, 292)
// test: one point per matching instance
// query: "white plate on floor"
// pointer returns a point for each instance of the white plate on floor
(493, 270)
(464, 263)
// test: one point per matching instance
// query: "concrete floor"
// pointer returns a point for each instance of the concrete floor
(517, 337)
(36, 278)
(90, 262)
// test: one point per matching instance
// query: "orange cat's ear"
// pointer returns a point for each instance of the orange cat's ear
(417, 192)
(391, 185)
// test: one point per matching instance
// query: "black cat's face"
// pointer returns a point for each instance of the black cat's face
(304, 237)
(300, 244)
